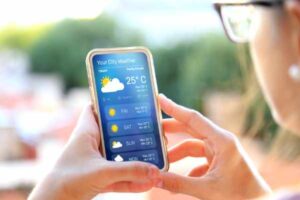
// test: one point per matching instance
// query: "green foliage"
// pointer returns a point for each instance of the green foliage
(185, 71)
(64, 48)
(20, 38)
(190, 69)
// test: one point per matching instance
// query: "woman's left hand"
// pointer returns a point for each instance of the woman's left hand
(81, 172)
(229, 173)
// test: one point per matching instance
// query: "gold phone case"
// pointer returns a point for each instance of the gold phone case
(94, 97)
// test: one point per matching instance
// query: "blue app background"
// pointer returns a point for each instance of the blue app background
(127, 109)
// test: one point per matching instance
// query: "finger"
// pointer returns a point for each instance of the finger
(87, 123)
(130, 187)
(174, 126)
(180, 184)
(193, 148)
(199, 171)
(129, 171)
(192, 119)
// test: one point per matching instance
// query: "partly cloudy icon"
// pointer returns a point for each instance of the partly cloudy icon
(109, 86)
(119, 158)
(116, 145)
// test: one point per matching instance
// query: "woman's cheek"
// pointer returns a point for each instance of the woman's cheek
(273, 52)
(260, 52)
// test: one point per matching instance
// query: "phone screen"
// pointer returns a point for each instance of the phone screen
(127, 108)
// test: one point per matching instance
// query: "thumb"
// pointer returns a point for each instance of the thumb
(180, 184)
(86, 124)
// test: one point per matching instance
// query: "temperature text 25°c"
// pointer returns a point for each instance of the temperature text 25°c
(132, 80)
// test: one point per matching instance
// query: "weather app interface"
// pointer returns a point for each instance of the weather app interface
(127, 109)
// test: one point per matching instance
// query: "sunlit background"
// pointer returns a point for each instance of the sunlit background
(43, 85)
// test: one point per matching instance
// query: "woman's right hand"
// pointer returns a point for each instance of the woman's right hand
(229, 173)
(81, 172)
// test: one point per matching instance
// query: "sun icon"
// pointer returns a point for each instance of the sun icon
(105, 80)
(112, 112)
(114, 128)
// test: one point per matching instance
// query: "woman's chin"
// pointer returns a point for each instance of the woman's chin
(287, 120)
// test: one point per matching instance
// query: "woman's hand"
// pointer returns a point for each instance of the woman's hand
(81, 172)
(229, 174)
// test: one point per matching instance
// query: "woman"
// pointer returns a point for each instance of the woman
(273, 29)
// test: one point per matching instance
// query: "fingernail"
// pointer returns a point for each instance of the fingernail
(162, 95)
(153, 172)
(165, 99)
(159, 184)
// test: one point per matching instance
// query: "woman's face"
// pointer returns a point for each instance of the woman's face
(274, 48)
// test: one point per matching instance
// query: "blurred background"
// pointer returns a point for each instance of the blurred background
(43, 82)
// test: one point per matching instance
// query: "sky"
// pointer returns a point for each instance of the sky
(164, 21)
(161, 21)
(29, 12)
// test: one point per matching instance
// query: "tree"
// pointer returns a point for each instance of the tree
(64, 47)
(192, 68)
(20, 38)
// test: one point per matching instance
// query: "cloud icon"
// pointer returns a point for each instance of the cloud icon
(119, 158)
(116, 145)
(113, 85)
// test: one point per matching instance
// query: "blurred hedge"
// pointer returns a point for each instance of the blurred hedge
(63, 48)
(192, 68)
(21, 38)
(185, 71)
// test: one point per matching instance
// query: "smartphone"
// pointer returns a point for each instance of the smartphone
(124, 94)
